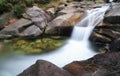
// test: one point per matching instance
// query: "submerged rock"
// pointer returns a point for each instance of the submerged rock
(44, 68)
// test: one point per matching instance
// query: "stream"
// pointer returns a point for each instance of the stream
(77, 48)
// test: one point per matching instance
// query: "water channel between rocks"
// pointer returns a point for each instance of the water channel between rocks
(75, 49)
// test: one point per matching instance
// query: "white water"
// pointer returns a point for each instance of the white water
(77, 48)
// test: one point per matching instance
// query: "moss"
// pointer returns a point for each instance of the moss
(35, 46)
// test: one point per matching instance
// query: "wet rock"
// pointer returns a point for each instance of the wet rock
(109, 28)
(105, 34)
(44, 68)
(115, 46)
(75, 18)
(99, 40)
(100, 65)
(112, 19)
(15, 28)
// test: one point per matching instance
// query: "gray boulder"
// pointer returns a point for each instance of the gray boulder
(16, 28)
(38, 16)
(31, 31)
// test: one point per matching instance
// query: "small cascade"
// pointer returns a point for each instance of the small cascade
(83, 29)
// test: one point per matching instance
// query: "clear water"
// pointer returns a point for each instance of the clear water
(76, 48)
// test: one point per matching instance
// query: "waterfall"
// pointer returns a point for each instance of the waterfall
(76, 48)
(83, 29)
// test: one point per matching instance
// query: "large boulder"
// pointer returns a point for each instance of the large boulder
(16, 28)
(100, 65)
(104, 64)
(63, 25)
(38, 16)
(105, 34)
(44, 68)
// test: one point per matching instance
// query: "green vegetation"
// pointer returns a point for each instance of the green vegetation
(19, 6)
(35, 46)
(18, 9)
(4, 6)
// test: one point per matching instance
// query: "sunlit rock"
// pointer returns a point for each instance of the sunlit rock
(63, 25)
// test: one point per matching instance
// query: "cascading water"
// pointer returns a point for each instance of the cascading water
(77, 48)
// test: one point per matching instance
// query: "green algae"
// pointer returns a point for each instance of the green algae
(31, 46)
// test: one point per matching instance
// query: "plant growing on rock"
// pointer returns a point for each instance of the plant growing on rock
(18, 10)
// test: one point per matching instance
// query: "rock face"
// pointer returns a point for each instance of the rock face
(115, 46)
(44, 68)
(109, 30)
